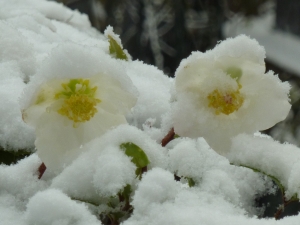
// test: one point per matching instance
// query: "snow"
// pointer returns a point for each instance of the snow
(15, 48)
(150, 104)
(46, 48)
(18, 184)
(84, 178)
(9, 212)
(213, 173)
(196, 160)
(49, 10)
(156, 188)
(14, 133)
(268, 155)
(21, 180)
(57, 209)
(114, 172)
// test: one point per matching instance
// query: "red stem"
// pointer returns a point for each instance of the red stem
(281, 209)
(169, 137)
(42, 170)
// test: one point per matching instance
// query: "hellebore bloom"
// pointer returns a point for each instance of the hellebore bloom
(225, 92)
(68, 112)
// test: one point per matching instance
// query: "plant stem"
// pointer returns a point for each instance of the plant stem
(169, 137)
(112, 220)
(42, 170)
(282, 189)
(282, 207)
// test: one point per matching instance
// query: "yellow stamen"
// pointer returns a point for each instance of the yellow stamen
(225, 102)
(79, 100)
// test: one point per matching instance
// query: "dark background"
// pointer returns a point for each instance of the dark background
(163, 32)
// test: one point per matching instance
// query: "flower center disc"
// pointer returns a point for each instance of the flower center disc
(79, 102)
(225, 103)
(79, 108)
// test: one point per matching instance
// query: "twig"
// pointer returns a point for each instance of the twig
(169, 137)
(282, 207)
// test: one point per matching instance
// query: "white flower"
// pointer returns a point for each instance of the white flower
(225, 91)
(71, 111)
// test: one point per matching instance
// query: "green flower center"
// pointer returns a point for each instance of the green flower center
(79, 100)
(225, 102)
(235, 73)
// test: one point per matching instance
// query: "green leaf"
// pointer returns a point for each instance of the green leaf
(275, 179)
(114, 217)
(139, 158)
(9, 157)
(126, 192)
(86, 201)
(139, 172)
(294, 198)
(191, 182)
(115, 49)
(113, 202)
(176, 136)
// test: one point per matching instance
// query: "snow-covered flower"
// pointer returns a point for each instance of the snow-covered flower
(225, 91)
(81, 104)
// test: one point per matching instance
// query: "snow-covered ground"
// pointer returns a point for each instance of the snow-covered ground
(104, 126)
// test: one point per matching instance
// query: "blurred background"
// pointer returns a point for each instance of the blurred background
(163, 32)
